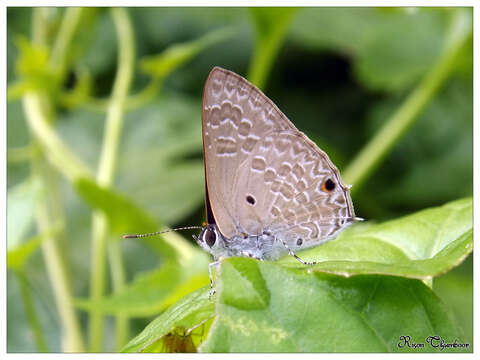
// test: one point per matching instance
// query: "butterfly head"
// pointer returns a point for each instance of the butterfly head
(211, 240)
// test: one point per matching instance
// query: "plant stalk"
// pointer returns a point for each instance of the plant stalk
(45, 213)
(53, 147)
(39, 115)
(31, 312)
(68, 28)
(106, 171)
(118, 279)
(380, 146)
(267, 44)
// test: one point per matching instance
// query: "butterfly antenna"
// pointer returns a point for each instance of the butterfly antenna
(136, 236)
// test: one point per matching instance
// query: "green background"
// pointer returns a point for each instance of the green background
(338, 74)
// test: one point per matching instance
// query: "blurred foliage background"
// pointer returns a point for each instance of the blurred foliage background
(338, 73)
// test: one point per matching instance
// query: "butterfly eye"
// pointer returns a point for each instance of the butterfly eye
(328, 185)
(210, 237)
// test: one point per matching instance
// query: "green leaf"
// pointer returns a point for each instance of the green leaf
(153, 291)
(384, 44)
(33, 68)
(123, 215)
(164, 132)
(314, 312)
(161, 65)
(166, 185)
(180, 190)
(422, 245)
(189, 312)
(21, 200)
(17, 256)
(456, 289)
(33, 59)
(16, 89)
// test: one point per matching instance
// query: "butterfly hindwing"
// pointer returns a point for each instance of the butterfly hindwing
(281, 188)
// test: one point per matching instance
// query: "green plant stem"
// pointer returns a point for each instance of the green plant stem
(267, 43)
(39, 25)
(144, 96)
(31, 312)
(55, 149)
(50, 248)
(133, 102)
(378, 148)
(68, 28)
(39, 116)
(159, 67)
(38, 108)
(106, 170)
(118, 278)
(45, 213)
(72, 337)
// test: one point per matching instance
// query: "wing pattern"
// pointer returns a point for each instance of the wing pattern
(262, 173)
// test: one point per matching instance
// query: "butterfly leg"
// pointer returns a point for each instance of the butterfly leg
(250, 255)
(291, 253)
(210, 266)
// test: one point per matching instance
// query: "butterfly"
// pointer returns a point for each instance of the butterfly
(269, 190)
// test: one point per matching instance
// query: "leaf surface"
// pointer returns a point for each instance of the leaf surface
(189, 312)
(422, 245)
(304, 311)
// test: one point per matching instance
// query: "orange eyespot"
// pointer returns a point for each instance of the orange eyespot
(204, 223)
(328, 185)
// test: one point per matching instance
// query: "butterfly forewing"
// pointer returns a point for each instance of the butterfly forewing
(235, 116)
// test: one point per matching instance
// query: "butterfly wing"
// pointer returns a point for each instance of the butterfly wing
(262, 173)
(235, 117)
(295, 191)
